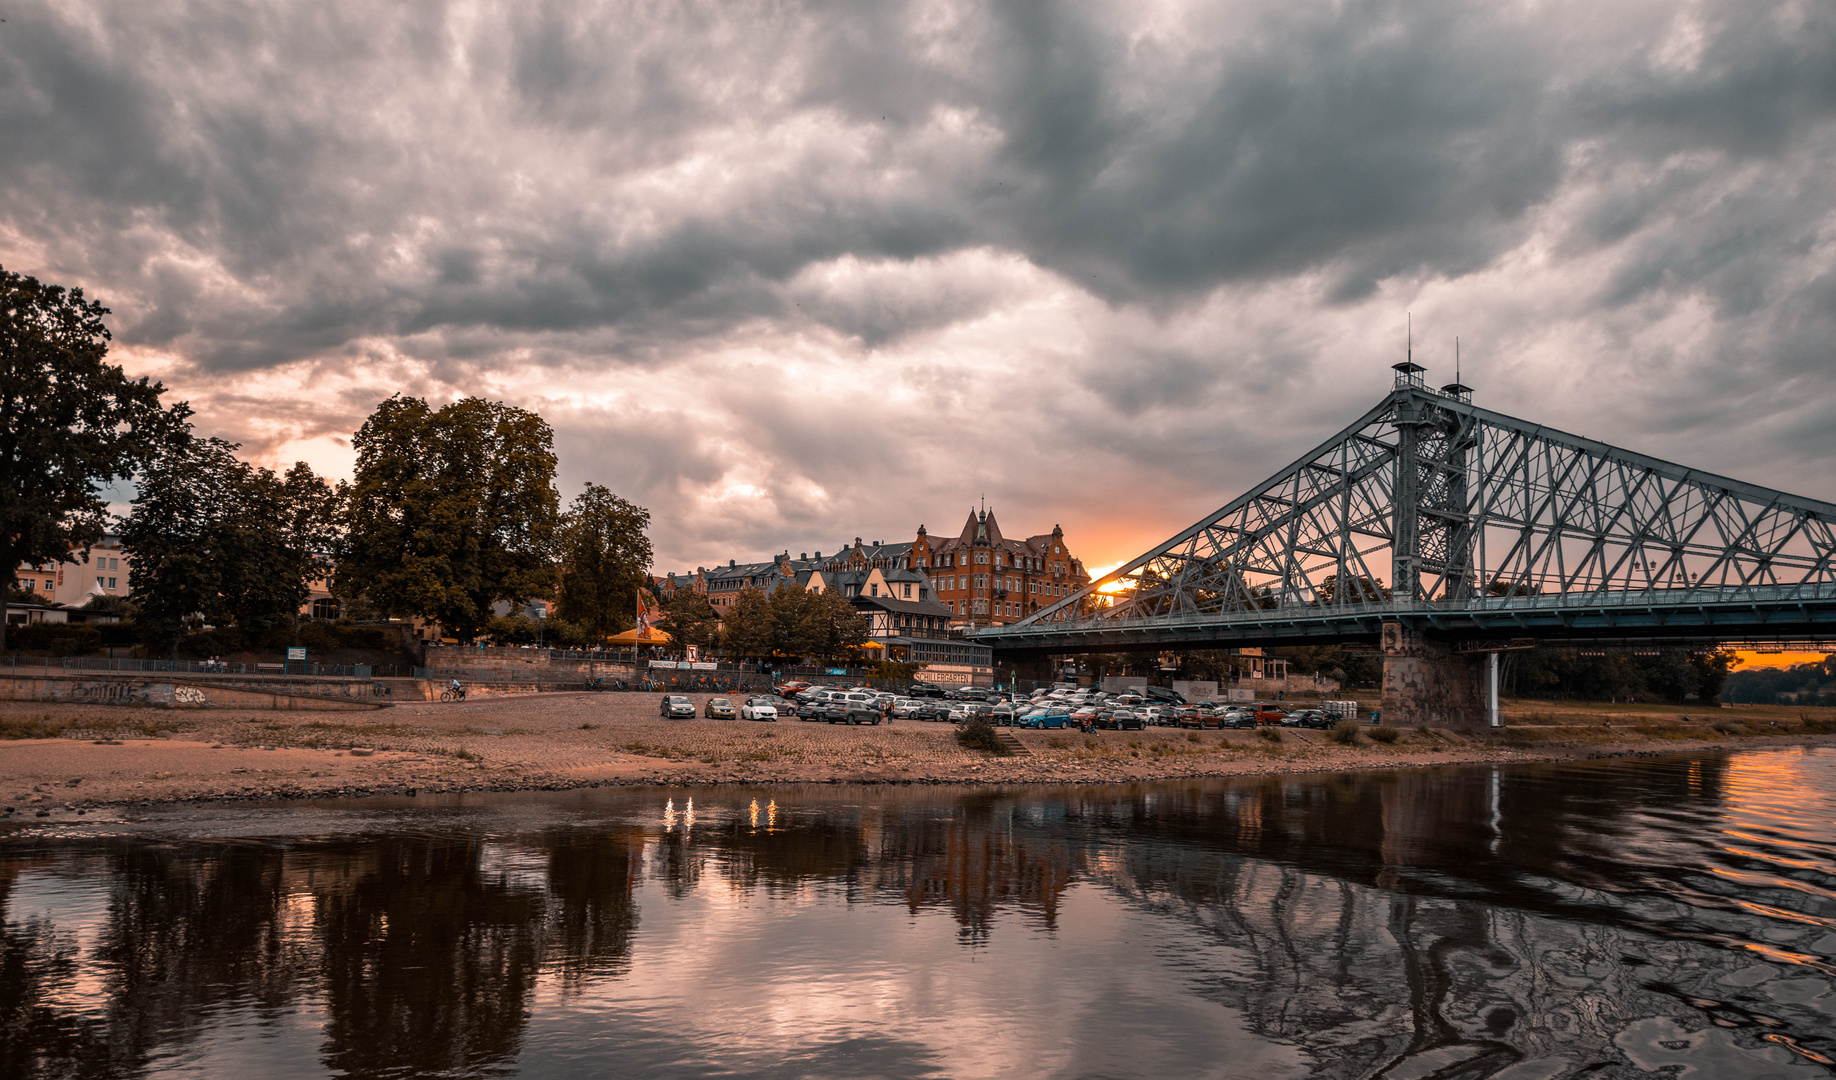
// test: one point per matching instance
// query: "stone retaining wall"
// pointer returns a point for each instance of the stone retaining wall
(169, 693)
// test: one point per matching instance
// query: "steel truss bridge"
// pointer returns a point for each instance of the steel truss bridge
(1471, 527)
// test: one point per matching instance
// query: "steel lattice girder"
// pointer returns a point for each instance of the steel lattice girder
(1479, 522)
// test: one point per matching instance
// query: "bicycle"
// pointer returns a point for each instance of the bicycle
(378, 690)
(453, 695)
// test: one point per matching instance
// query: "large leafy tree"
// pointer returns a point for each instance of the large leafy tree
(450, 511)
(749, 625)
(218, 538)
(689, 619)
(793, 622)
(605, 559)
(69, 424)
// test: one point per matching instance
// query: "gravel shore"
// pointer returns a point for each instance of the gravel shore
(102, 755)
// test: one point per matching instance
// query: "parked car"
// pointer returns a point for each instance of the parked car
(759, 707)
(719, 708)
(854, 713)
(1047, 718)
(906, 708)
(1002, 715)
(1164, 694)
(1121, 720)
(812, 710)
(677, 707)
(1270, 714)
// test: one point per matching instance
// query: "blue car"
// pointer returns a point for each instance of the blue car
(1052, 719)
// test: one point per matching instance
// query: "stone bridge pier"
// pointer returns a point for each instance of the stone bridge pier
(1426, 682)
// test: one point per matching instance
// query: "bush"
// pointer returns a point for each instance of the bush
(58, 639)
(1728, 727)
(1813, 726)
(1384, 734)
(979, 734)
(221, 641)
(118, 633)
(1345, 732)
(1269, 734)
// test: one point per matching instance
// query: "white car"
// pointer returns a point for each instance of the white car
(758, 708)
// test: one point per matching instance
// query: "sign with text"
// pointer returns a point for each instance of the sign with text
(296, 653)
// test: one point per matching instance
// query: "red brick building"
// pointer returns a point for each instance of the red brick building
(988, 579)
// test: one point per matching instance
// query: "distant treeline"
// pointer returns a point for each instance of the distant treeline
(1800, 684)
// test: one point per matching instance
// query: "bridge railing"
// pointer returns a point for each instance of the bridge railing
(1591, 599)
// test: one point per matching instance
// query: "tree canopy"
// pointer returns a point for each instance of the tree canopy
(605, 559)
(793, 622)
(689, 619)
(450, 511)
(70, 423)
(216, 537)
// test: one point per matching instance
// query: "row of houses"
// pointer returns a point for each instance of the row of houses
(921, 595)
(977, 578)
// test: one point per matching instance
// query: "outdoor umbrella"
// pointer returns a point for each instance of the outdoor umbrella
(630, 637)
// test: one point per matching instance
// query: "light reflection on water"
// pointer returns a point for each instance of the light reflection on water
(1602, 919)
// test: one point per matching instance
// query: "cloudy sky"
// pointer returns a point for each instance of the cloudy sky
(792, 273)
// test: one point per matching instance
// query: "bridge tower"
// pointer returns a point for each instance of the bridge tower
(1424, 680)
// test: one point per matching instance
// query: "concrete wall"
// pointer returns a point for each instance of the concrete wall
(509, 665)
(1195, 691)
(165, 693)
(1425, 682)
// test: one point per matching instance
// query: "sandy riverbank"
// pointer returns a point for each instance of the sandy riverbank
(100, 755)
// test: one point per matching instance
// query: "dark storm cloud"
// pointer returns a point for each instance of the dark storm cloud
(1117, 235)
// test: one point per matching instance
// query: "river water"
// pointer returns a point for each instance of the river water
(1667, 917)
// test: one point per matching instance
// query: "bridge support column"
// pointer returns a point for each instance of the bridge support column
(1426, 682)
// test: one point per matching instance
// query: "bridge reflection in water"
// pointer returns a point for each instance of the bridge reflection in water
(1540, 921)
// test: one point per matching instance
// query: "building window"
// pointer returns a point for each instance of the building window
(99, 584)
(908, 592)
(31, 584)
(325, 608)
(111, 583)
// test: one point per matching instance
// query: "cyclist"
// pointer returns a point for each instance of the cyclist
(458, 691)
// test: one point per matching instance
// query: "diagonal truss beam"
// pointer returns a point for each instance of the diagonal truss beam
(1430, 501)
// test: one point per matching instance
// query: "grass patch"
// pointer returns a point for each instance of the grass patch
(38, 727)
(1385, 735)
(1269, 734)
(1192, 736)
(1811, 725)
(1345, 733)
